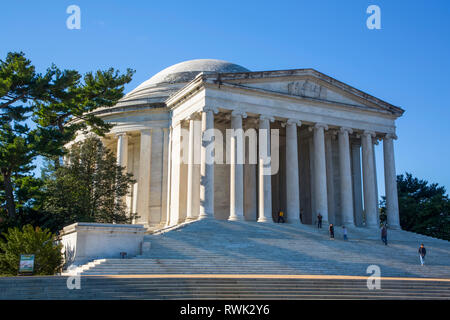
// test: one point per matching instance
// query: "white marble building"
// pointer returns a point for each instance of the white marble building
(327, 131)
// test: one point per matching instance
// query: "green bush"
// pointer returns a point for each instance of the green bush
(48, 257)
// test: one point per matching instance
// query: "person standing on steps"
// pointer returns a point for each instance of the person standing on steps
(344, 231)
(422, 253)
(319, 221)
(384, 235)
(331, 229)
(281, 216)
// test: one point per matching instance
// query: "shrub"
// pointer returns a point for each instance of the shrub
(48, 257)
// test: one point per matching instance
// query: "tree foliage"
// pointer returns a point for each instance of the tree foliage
(19, 83)
(90, 187)
(424, 208)
(29, 240)
(40, 113)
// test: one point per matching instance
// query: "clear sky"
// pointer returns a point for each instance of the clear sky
(406, 63)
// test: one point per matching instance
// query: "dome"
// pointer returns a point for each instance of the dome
(169, 80)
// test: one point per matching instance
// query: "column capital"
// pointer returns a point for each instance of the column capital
(266, 117)
(391, 136)
(121, 134)
(238, 113)
(175, 123)
(296, 122)
(345, 129)
(194, 116)
(147, 130)
(369, 133)
(215, 110)
(318, 125)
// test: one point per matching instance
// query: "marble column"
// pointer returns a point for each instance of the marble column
(190, 215)
(320, 169)
(311, 179)
(165, 178)
(237, 167)
(175, 216)
(331, 200)
(374, 143)
(264, 170)
(390, 178)
(122, 149)
(292, 176)
(156, 177)
(357, 185)
(144, 177)
(207, 165)
(122, 160)
(169, 177)
(250, 171)
(370, 201)
(345, 177)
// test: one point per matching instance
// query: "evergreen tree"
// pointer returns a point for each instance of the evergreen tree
(424, 208)
(90, 187)
(19, 84)
(56, 105)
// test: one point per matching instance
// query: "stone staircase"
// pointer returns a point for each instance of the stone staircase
(213, 259)
(222, 247)
(102, 288)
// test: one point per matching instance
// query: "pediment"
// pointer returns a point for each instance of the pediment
(313, 85)
(305, 88)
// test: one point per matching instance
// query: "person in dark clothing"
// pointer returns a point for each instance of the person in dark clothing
(344, 232)
(331, 229)
(281, 216)
(384, 235)
(319, 221)
(422, 253)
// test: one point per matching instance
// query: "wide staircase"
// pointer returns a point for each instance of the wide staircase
(102, 288)
(213, 259)
(222, 247)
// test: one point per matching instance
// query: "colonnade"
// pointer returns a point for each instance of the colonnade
(349, 171)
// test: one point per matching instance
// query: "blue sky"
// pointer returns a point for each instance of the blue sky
(406, 63)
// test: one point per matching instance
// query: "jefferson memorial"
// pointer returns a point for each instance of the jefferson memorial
(325, 162)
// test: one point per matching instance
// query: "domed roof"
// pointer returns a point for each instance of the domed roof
(174, 77)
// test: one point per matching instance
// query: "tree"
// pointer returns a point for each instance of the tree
(72, 99)
(28, 240)
(90, 187)
(19, 84)
(57, 104)
(424, 208)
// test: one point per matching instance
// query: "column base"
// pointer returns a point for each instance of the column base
(205, 216)
(236, 218)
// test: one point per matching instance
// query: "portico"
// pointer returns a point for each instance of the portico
(211, 140)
